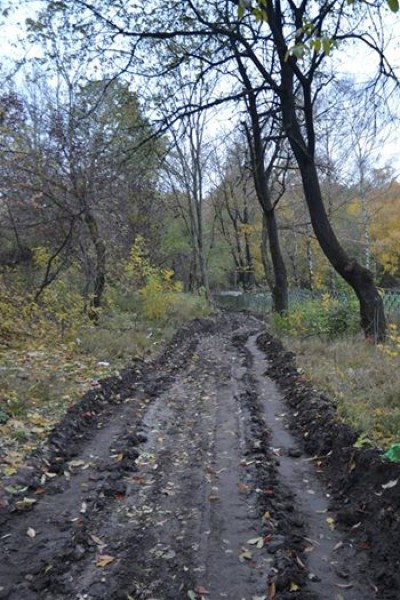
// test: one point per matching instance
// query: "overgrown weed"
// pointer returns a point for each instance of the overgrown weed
(363, 380)
(51, 353)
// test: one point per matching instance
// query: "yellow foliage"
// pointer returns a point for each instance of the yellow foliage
(58, 313)
(353, 209)
(385, 231)
(392, 346)
(156, 287)
(41, 256)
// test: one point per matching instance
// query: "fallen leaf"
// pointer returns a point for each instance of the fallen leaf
(9, 470)
(118, 457)
(389, 484)
(245, 555)
(258, 541)
(331, 523)
(338, 545)
(101, 545)
(104, 559)
(364, 546)
(31, 532)
(242, 487)
(300, 562)
(272, 591)
(199, 589)
(26, 503)
(76, 463)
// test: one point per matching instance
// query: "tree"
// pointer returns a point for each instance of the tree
(264, 153)
(81, 173)
(287, 47)
(185, 167)
(234, 204)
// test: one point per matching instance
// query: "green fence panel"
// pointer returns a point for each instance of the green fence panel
(261, 302)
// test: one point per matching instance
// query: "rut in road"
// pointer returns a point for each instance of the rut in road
(179, 496)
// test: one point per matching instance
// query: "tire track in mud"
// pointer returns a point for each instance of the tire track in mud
(182, 493)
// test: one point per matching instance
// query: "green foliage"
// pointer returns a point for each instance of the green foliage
(393, 5)
(324, 316)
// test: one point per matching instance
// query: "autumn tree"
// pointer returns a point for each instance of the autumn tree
(234, 204)
(287, 48)
(185, 168)
(79, 177)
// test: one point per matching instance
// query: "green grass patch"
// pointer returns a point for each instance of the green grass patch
(363, 380)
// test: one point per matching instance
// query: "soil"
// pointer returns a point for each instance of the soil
(215, 471)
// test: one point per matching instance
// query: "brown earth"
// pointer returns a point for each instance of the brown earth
(196, 476)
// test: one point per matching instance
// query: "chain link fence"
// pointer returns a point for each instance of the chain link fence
(261, 302)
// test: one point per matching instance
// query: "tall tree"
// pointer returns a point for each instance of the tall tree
(186, 168)
(287, 46)
(234, 204)
(79, 174)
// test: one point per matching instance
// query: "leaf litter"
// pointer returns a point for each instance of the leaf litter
(150, 508)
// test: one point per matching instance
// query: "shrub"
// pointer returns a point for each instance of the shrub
(325, 316)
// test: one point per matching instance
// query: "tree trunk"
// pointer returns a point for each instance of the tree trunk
(359, 278)
(100, 267)
(310, 262)
(262, 183)
(372, 315)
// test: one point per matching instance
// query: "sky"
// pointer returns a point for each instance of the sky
(347, 64)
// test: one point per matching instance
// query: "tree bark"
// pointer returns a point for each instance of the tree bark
(372, 315)
(100, 267)
(261, 177)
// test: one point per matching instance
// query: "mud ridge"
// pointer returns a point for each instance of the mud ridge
(365, 489)
(163, 483)
(143, 379)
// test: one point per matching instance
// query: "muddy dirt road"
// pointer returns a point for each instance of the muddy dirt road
(196, 476)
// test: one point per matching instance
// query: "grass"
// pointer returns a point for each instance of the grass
(363, 380)
(41, 376)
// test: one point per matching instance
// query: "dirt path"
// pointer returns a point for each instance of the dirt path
(181, 479)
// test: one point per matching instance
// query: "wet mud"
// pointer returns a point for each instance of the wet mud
(213, 472)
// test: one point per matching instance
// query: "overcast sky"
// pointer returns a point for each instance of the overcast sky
(347, 64)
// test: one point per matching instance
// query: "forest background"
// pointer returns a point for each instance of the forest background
(146, 166)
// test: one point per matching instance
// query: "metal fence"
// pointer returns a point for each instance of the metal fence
(261, 302)
(256, 302)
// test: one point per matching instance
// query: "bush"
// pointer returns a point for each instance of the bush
(185, 307)
(325, 316)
